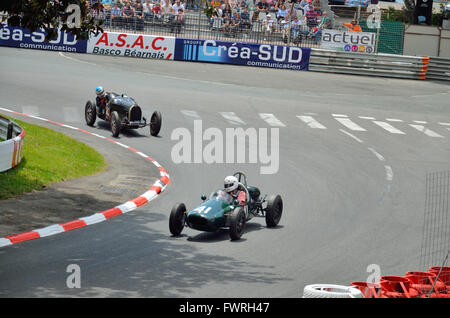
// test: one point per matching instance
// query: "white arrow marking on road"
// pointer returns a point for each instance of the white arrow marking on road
(271, 120)
(388, 127)
(349, 124)
(311, 122)
(426, 131)
(232, 118)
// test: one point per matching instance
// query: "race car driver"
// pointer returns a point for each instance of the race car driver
(231, 185)
(101, 100)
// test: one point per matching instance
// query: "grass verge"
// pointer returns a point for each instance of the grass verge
(48, 156)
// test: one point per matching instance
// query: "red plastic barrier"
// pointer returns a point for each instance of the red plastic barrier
(369, 290)
(425, 282)
(444, 276)
(397, 287)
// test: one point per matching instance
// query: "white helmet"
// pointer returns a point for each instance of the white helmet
(231, 183)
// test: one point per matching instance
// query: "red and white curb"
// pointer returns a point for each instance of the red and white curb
(98, 217)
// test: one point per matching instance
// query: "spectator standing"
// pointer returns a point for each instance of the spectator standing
(267, 26)
(166, 11)
(261, 7)
(282, 12)
(139, 17)
(128, 14)
(116, 15)
(245, 19)
(178, 20)
(177, 6)
(148, 6)
(235, 23)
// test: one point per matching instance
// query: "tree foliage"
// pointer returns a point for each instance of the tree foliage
(51, 15)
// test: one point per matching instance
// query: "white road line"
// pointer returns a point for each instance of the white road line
(379, 156)
(31, 110)
(444, 124)
(394, 120)
(271, 120)
(419, 122)
(350, 124)
(367, 117)
(311, 114)
(351, 135)
(311, 122)
(388, 127)
(190, 114)
(72, 115)
(339, 115)
(232, 118)
(426, 131)
(389, 173)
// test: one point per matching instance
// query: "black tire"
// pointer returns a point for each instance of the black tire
(274, 210)
(155, 123)
(237, 224)
(90, 113)
(115, 124)
(177, 219)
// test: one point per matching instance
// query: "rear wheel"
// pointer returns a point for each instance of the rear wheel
(115, 124)
(155, 123)
(90, 113)
(274, 210)
(237, 224)
(177, 219)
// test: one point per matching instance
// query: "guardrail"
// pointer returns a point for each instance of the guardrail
(388, 65)
(438, 69)
(11, 148)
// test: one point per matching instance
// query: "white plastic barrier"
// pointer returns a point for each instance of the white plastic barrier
(331, 291)
(11, 150)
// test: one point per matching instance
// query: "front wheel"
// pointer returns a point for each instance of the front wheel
(237, 224)
(155, 123)
(90, 113)
(177, 219)
(115, 124)
(274, 210)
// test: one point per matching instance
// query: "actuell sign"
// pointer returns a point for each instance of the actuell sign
(348, 41)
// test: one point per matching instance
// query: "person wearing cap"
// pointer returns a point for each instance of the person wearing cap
(267, 25)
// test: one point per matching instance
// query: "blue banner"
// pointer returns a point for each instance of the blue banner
(22, 38)
(250, 54)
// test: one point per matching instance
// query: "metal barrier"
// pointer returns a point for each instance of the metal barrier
(11, 145)
(385, 65)
(438, 69)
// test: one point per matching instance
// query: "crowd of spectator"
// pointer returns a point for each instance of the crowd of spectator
(294, 20)
(132, 14)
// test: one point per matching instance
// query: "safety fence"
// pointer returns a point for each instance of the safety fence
(196, 25)
(11, 144)
(435, 283)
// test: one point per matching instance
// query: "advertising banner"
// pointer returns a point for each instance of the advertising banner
(22, 38)
(250, 54)
(348, 41)
(357, 3)
(132, 45)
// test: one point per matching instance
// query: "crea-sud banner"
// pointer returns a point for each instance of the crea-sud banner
(23, 38)
(250, 54)
(132, 45)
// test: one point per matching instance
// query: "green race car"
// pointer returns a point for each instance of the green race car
(222, 211)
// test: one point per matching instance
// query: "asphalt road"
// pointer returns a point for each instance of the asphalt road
(351, 197)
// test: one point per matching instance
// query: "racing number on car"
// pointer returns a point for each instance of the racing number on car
(202, 209)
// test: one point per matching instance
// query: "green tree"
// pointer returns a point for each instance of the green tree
(52, 14)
